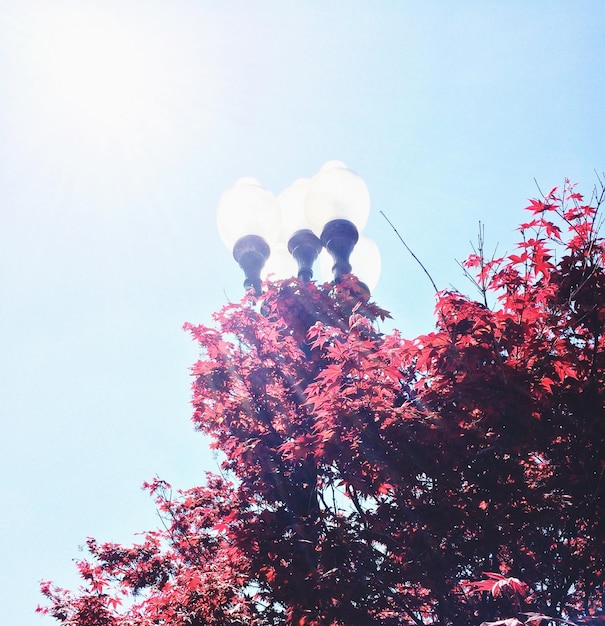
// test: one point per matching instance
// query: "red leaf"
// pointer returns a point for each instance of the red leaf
(496, 584)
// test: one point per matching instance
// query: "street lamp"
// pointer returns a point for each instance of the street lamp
(327, 211)
(337, 206)
(303, 244)
(248, 218)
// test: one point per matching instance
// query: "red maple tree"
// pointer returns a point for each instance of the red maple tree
(372, 479)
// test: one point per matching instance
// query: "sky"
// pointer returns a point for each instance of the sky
(121, 125)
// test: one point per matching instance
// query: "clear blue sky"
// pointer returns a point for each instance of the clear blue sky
(121, 124)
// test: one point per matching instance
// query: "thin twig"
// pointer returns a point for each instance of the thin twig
(538, 186)
(408, 249)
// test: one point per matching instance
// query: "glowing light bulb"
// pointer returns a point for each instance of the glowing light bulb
(336, 192)
(248, 209)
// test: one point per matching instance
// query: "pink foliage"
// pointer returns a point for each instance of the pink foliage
(367, 477)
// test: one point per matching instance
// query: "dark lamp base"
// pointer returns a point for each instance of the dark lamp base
(339, 238)
(304, 246)
(251, 252)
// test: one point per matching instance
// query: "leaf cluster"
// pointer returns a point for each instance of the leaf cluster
(370, 479)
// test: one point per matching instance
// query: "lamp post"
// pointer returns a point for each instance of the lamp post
(327, 211)
(324, 213)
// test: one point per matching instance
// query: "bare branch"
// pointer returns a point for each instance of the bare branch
(408, 249)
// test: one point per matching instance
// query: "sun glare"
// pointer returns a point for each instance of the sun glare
(108, 82)
(97, 72)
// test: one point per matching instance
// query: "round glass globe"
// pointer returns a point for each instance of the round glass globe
(336, 192)
(247, 209)
(280, 264)
(292, 208)
(366, 261)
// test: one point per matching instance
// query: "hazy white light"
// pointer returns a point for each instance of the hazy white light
(365, 261)
(248, 209)
(325, 263)
(106, 89)
(292, 208)
(336, 192)
(98, 71)
(280, 264)
(98, 68)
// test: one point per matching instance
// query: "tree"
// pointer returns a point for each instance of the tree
(370, 479)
